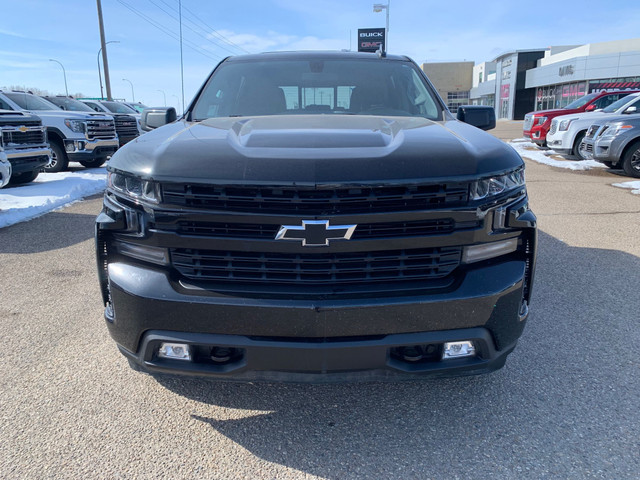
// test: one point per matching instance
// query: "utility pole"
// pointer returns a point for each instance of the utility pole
(181, 62)
(105, 63)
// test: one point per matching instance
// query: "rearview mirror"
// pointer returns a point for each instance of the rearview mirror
(479, 116)
(157, 117)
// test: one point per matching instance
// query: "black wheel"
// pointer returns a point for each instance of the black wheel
(95, 163)
(631, 161)
(59, 160)
(20, 178)
(576, 146)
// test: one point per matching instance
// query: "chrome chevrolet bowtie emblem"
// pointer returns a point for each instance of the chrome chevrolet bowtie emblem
(315, 233)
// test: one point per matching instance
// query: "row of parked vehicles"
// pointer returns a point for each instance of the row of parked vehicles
(46, 133)
(603, 126)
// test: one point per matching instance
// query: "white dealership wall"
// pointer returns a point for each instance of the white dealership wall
(617, 59)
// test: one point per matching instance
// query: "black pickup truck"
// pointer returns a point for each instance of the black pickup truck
(316, 217)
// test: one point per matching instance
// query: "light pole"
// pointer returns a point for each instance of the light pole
(130, 83)
(99, 72)
(378, 7)
(165, 97)
(64, 73)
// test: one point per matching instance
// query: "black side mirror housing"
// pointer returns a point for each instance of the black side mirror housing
(479, 116)
(155, 117)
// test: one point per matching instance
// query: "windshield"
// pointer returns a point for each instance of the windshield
(69, 104)
(581, 101)
(117, 107)
(316, 86)
(619, 103)
(138, 107)
(31, 102)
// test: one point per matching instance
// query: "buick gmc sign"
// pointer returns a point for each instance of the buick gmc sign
(370, 39)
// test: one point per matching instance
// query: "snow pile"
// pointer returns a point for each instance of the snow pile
(634, 186)
(48, 192)
(529, 150)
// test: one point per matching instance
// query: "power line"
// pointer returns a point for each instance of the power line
(166, 31)
(216, 33)
(208, 30)
(190, 28)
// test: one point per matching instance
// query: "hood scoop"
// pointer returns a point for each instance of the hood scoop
(311, 132)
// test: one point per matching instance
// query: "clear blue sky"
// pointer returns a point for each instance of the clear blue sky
(33, 31)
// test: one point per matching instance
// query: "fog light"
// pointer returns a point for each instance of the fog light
(458, 350)
(70, 147)
(484, 251)
(175, 351)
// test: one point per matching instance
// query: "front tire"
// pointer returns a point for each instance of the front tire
(21, 178)
(576, 146)
(631, 161)
(59, 159)
(95, 163)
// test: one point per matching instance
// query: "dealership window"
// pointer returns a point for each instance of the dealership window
(559, 96)
(455, 99)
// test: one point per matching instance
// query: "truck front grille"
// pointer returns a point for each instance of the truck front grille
(528, 122)
(259, 231)
(322, 269)
(592, 131)
(126, 126)
(34, 135)
(317, 201)
(100, 129)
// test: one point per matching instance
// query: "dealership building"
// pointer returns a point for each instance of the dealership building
(521, 81)
(452, 80)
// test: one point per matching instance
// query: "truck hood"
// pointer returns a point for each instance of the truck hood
(69, 114)
(585, 120)
(556, 111)
(314, 149)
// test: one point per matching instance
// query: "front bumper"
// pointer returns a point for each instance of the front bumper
(320, 340)
(82, 149)
(28, 159)
(603, 150)
(559, 142)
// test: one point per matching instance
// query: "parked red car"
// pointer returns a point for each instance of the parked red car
(537, 124)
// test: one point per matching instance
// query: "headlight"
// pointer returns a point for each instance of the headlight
(540, 120)
(614, 130)
(564, 124)
(75, 125)
(491, 186)
(134, 187)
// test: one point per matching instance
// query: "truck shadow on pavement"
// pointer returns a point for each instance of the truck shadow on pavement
(565, 404)
(39, 235)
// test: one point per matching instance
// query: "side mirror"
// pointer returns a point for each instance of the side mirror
(631, 110)
(156, 117)
(590, 108)
(479, 116)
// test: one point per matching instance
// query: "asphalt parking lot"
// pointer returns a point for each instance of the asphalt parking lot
(565, 406)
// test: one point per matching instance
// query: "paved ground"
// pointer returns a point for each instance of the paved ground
(565, 406)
